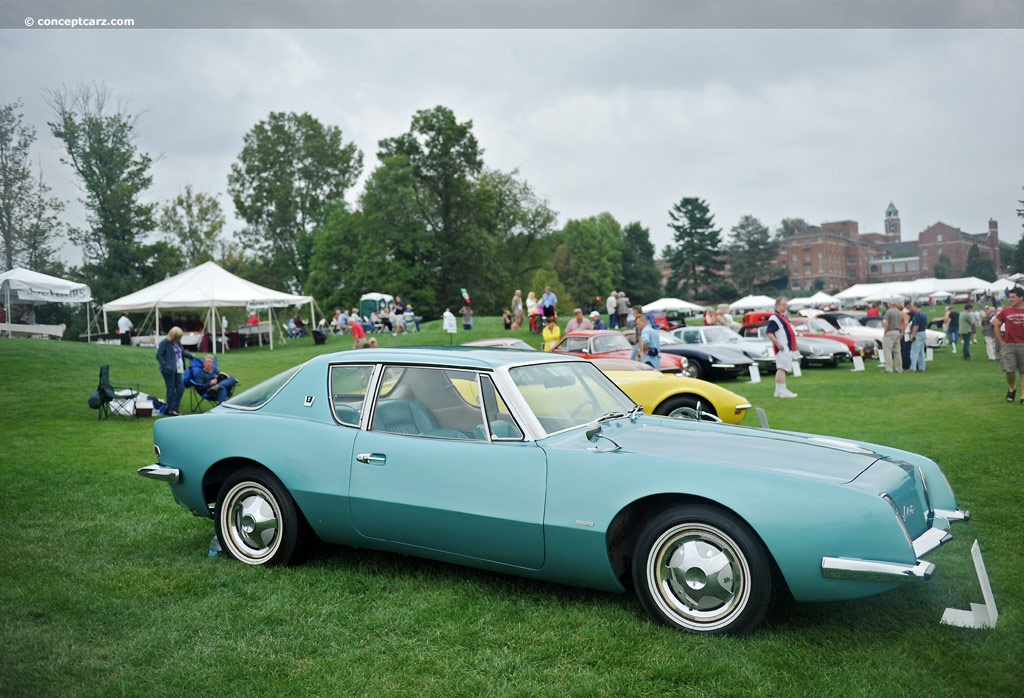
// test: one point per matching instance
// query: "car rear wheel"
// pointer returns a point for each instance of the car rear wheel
(257, 520)
(685, 407)
(700, 569)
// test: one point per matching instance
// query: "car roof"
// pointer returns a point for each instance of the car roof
(468, 357)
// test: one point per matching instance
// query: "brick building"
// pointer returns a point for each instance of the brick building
(837, 255)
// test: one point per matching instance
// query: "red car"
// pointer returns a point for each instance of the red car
(813, 327)
(609, 344)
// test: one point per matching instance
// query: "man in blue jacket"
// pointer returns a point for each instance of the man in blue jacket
(219, 385)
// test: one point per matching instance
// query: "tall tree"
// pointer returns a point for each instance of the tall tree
(695, 259)
(589, 258)
(445, 160)
(943, 268)
(641, 279)
(978, 265)
(522, 222)
(752, 253)
(790, 227)
(194, 221)
(292, 170)
(28, 216)
(1016, 262)
(99, 144)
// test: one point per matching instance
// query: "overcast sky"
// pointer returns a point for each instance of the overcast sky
(820, 124)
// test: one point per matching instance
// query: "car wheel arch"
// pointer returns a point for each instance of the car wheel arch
(685, 400)
(220, 471)
(627, 525)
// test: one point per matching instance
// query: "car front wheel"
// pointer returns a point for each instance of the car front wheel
(685, 407)
(700, 569)
(694, 370)
(257, 520)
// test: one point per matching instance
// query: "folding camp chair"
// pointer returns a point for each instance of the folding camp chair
(116, 399)
(197, 393)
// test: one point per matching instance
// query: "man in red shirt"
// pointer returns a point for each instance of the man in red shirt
(1011, 319)
(358, 336)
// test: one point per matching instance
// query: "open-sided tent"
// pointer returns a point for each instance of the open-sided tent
(28, 287)
(919, 288)
(668, 305)
(206, 287)
(752, 303)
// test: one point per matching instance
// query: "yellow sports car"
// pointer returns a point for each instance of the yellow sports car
(674, 396)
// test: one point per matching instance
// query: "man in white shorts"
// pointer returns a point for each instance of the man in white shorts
(784, 343)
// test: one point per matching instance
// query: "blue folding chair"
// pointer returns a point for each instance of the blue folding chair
(198, 392)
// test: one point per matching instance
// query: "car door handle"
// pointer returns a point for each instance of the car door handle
(372, 458)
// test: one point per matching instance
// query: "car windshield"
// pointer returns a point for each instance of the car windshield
(715, 333)
(819, 326)
(570, 394)
(604, 343)
(849, 322)
(668, 338)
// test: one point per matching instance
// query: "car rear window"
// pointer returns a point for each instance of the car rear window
(260, 395)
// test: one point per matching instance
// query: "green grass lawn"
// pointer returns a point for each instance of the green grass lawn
(106, 587)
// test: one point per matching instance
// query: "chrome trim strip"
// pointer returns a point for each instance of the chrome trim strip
(874, 570)
(158, 472)
(954, 516)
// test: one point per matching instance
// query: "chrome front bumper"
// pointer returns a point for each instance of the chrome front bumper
(880, 571)
(158, 472)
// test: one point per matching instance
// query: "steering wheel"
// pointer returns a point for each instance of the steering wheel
(579, 409)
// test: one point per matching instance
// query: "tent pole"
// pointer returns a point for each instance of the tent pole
(270, 312)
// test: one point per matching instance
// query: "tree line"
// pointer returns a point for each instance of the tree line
(432, 219)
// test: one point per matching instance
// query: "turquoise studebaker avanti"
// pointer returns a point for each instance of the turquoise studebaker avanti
(538, 465)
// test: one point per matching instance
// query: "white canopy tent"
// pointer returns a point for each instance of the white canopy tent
(667, 305)
(29, 287)
(819, 298)
(208, 287)
(1000, 287)
(919, 288)
(752, 303)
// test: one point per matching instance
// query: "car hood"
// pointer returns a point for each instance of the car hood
(801, 455)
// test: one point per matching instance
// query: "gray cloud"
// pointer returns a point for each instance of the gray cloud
(826, 125)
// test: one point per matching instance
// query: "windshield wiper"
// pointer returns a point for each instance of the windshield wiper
(611, 415)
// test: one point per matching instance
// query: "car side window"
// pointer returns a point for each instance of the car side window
(499, 425)
(691, 337)
(426, 401)
(348, 392)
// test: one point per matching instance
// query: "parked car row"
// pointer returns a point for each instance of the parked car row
(863, 326)
(668, 394)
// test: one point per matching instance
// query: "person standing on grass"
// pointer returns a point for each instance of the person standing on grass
(952, 325)
(1011, 319)
(918, 325)
(551, 333)
(989, 333)
(647, 343)
(784, 343)
(968, 326)
(170, 355)
(892, 324)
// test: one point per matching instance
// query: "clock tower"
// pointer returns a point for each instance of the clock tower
(892, 224)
